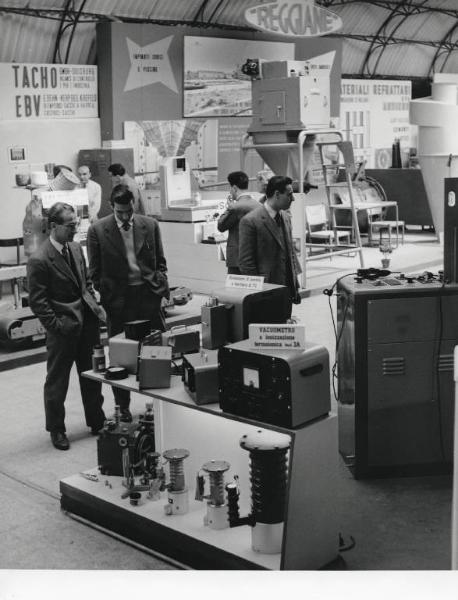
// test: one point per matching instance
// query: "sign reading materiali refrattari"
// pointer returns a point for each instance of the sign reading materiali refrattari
(47, 91)
(294, 18)
(281, 337)
(245, 282)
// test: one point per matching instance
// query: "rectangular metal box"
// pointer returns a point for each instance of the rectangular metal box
(123, 352)
(154, 367)
(200, 376)
(182, 339)
(451, 230)
(395, 374)
(290, 103)
(287, 388)
(270, 305)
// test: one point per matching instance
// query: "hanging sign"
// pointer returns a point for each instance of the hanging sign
(47, 91)
(294, 18)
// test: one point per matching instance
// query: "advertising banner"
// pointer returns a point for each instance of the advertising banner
(47, 91)
(373, 114)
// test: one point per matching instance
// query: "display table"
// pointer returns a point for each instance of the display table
(310, 533)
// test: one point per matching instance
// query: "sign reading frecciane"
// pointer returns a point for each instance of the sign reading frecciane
(293, 18)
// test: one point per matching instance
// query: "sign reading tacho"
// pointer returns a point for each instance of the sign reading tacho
(45, 91)
(293, 18)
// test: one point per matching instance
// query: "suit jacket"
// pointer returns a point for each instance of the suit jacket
(262, 249)
(57, 295)
(108, 267)
(230, 220)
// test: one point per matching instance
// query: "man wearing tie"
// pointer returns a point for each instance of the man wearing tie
(94, 192)
(62, 297)
(265, 239)
(128, 268)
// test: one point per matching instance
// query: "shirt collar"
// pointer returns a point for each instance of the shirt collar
(270, 210)
(120, 223)
(58, 246)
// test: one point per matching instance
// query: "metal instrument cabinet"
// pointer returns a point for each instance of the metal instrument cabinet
(395, 370)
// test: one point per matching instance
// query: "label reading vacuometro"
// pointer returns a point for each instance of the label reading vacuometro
(281, 337)
(245, 282)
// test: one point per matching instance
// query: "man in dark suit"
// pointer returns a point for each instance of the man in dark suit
(240, 203)
(265, 239)
(62, 297)
(119, 176)
(128, 268)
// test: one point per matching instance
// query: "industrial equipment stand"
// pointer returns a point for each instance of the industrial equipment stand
(336, 139)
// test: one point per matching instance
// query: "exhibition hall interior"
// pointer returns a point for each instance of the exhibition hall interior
(229, 285)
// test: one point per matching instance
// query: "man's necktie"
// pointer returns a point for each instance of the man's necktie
(126, 225)
(278, 219)
(68, 259)
(66, 255)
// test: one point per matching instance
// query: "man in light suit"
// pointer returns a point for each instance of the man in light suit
(128, 268)
(62, 297)
(265, 239)
(240, 203)
(94, 192)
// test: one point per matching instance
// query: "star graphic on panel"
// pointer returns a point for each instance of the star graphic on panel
(150, 64)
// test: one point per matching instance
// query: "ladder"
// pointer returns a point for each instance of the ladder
(297, 148)
(332, 170)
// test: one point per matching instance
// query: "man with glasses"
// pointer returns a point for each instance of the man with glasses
(128, 268)
(265, 239)
(62, 297)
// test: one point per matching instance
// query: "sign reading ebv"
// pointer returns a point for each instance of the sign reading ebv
(294, 18)
(245, 282)
(281, 337)
(45, 91)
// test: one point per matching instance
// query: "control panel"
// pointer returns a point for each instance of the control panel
(381, 279)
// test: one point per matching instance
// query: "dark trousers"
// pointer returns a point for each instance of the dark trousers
(63, 351)
(140, 303)
(233, 271)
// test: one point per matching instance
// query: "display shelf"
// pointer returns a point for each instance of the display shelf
(310, 538)
(176, 394)
(232, 544)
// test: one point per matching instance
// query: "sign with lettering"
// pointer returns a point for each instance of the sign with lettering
(43, 91)
(373, 113)
(150, 64)
(294, 18)
(245, 282)
(280, 337)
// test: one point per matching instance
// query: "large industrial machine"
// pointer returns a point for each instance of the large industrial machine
(395, 359)
(291, 102)
(397, 333)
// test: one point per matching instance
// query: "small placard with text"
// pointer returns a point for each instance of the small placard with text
(281, 337)
(245, 282)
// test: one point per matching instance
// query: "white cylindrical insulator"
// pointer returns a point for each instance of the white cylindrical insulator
(217, 517)
(178, 503)
(267, 538)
